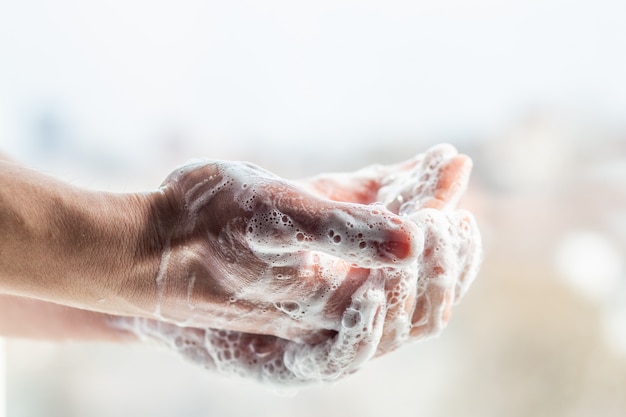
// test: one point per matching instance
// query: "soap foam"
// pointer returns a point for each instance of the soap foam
(273, 360)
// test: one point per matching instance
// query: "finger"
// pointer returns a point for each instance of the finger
(439, 268)
(468, 249)
(356, 187)
(451, 183)
(356, 341)
(286, 219)
(400, 290)
(438, 181)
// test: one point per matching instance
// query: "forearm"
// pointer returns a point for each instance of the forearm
(35, 319)
(67, 245)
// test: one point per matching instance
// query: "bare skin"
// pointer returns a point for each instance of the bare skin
(173, 252)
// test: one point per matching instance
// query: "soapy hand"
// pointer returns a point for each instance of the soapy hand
(338, 279)
(245, 250)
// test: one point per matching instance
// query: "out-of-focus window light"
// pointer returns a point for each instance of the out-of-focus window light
(590, 263)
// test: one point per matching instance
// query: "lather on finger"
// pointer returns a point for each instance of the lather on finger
(286, 219)
(356, 187)
(437, 181)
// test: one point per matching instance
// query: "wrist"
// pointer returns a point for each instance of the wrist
(149, 225)
(117, 261)
(96, 241)
(120, 259)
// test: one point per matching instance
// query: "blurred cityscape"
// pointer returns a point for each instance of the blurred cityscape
(543, 330)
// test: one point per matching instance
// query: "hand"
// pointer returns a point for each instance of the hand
(245, 250)
(392, 304)
(426, 189)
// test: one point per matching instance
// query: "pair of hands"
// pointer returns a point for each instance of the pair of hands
(297, 282)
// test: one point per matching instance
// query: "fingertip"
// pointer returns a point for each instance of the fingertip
(388, 239)
(401, 244)
(455, 173)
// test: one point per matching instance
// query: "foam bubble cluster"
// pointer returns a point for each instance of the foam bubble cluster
(272, 360)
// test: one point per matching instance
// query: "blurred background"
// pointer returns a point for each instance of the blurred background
(113, 95)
